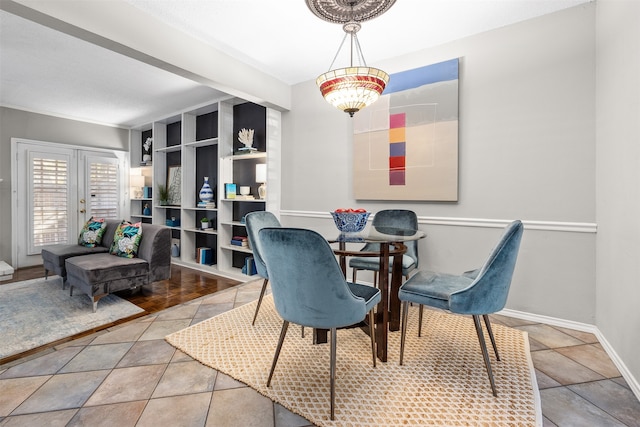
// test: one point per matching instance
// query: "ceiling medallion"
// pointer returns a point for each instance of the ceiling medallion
(343, 11)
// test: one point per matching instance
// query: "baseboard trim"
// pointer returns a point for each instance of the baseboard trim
(572, 227)
(584, 327)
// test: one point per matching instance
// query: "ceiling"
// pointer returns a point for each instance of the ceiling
(47, 71)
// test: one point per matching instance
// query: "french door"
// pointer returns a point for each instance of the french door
(58, 189)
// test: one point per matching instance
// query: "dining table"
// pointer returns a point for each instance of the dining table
(391, 247)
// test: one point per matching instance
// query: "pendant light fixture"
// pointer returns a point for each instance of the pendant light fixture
(354, 87)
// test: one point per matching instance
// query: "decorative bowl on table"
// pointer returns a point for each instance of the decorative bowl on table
(350, 222)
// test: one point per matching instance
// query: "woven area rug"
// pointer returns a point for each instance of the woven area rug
(442, 383)
(38, 312)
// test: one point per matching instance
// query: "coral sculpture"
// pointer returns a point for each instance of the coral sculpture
(245, 136)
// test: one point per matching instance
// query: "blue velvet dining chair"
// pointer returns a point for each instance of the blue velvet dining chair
(309, 289)
(478, 293)
(254, 222)
(400, 218)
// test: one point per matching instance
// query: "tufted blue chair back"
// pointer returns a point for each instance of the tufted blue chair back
(256, 221)
(307, 283)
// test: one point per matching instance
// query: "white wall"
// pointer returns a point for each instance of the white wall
(527, 151)
(618, 178)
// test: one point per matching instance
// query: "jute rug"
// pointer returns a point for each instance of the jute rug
(442, 383)
(38, 312)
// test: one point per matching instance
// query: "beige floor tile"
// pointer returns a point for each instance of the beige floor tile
(152, 352)
(221, 297)
(186, 311)
(240, 407)
(561, 368)
(96, 357)
(545, 381)
(16, 390)
(613, 398)
(49, 419)
(286, 418)
(565, 408)
(510, 321)
(46, 364)
(206, 311)
(127, 333)
(189, 410)
(161, 328)
(224, 382)
(593, 358)
(549, 336)
(586, 337)
(185, 378)
(119, 414)
(63, 391)
(127, 384)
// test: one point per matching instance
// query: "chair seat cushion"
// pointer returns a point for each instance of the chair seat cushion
(432, 289)
(370, 294)
(373, 263)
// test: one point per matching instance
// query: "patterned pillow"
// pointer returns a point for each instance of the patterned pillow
(92, 232)
(127, 239)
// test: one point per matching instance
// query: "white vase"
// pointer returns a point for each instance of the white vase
(206, 194)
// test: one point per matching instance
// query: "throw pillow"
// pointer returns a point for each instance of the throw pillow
(92, 232)
(127, 239)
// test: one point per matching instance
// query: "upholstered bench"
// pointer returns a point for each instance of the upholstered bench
(98, 275)
(54, 257)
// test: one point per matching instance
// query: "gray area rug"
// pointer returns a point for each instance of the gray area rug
(38, 312)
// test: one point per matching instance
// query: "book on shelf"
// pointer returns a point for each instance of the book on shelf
(230, 191)
(147, 192)
(204, 256)
(207, 205)
(240, 241)
(247, 197)
(249, 267)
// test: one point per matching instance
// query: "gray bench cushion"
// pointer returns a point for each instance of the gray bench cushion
(101, 268)
(54, 257)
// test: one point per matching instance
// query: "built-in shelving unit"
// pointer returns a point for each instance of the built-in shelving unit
(203, 142)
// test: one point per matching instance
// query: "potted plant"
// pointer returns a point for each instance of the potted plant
(204, 223)
(163, 195)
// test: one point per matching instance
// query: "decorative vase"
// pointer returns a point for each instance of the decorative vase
(175, 250)
(206, 194)
(146, 210)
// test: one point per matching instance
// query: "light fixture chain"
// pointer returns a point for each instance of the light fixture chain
(358, 51)
(338, 52)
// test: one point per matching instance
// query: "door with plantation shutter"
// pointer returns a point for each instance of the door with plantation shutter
(58, 190)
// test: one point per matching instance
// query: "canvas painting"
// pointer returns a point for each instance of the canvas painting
(173, 185)
(405, 145)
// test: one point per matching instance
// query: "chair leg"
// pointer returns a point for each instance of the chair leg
(334, 336)
(283, 332)
(493, 340)
(355, 272)
(262, 291)
(405, 313)
(420, 312)
(372, 333)
(485, 353)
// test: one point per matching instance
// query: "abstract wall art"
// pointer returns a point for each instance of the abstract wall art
(406, 144)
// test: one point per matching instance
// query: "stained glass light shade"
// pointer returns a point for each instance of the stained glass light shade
(353, 88)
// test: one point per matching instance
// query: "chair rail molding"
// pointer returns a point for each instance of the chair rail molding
(573, 227)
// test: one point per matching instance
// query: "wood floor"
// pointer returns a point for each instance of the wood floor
(184, 285)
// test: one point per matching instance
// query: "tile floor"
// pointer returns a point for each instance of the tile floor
(129, 376)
